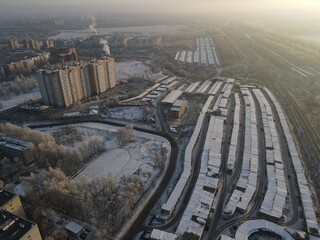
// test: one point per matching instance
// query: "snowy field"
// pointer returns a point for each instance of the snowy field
(156, 29)
(125, 113)
(135, 158)
(112, 161)
(20, 99)
(129, 69)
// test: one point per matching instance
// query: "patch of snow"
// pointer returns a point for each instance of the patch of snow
(112, 161)
(129, 69)
(127, 113)
(135, 158)
(14, 101)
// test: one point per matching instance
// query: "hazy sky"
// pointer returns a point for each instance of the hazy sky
(152, 6)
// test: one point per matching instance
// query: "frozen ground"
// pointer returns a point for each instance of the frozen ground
(125, 113)
(129, 69)
(156, 29)
(112, 161)
(20, 99)
(135, 158)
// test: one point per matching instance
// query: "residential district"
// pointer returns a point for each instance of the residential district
(143, 136)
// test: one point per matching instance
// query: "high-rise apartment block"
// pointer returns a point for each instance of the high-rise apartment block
(11, 203)
(35, 44)
(64, 87)
(14, 44)
(71, 56)
(48, 43)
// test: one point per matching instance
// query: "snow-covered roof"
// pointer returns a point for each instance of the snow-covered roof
(172, 97)
(73, 227)
(161, 235)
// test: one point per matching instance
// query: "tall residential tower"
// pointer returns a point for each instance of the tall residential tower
(64, 87)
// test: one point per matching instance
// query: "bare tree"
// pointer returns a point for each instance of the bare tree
(159, 161)
(126, 134)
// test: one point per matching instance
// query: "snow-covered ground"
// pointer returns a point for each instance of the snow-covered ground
(112, 161)
(127, 69)
(20, 99)
(125, 113)
(135, 158)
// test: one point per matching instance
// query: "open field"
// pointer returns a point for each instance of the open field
(136, 158)
(127, 69)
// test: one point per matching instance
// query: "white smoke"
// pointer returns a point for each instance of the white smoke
(92, 26)
(105, 47)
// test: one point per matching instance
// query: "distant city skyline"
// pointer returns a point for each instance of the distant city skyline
(12, 8)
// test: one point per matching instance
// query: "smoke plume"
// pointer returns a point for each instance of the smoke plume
(105, 46)
(92, 26)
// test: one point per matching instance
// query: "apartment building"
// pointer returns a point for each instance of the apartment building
(64, 87)
(11, 203)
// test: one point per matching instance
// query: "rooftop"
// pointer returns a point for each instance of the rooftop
(5, 196)
(16, 142)
(179, 103)
(172, 97)
(73, 227)
(12, 226)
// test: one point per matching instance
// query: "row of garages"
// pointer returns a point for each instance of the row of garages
(235, 134)
(170, 205)
(209, 87)
(198, 209)
(247, 183)
(153, 93)
(275, 197)
(308, 207)
(205, 54)
(164, 85)
(197, 212)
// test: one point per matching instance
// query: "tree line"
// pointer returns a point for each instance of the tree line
(47, 153)
(99, 201)
(18, 86)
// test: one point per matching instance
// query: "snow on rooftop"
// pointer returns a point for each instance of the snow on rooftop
(73, 227)
(172, 96)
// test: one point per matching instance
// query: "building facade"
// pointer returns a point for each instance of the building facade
(48, 43)
(178, 109)
(25, 66)
(11, 203)
(35, 44)
(14, 44)
(67, 86)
